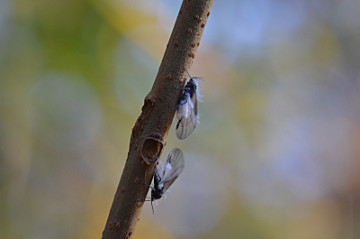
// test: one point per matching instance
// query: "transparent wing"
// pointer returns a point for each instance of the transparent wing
(174, 166)
(187, 121)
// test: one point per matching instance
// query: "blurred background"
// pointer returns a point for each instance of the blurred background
(276, 155)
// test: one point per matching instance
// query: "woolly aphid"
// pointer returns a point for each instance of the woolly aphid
(187, 110)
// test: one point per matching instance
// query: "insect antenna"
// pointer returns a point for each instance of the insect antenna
(152, 207)
(181, 88)
(197, 78)
(188, 73)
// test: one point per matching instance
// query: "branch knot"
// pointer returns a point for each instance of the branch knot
(152, 148)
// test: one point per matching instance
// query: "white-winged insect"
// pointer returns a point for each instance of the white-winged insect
(187, 111)
(166, 173)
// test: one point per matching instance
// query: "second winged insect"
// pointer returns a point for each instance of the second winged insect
(166, 173)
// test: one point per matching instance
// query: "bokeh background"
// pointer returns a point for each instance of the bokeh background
(276, 155)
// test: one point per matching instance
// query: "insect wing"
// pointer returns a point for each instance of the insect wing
(173, 167)
(187, 112)
(187, 118)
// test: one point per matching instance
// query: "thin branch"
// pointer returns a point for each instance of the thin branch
(151, 128)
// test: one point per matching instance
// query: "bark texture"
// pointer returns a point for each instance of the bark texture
(151, 128)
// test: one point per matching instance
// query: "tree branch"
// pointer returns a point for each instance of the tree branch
(151, 128)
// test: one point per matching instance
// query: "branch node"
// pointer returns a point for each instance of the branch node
(117, 225)
(152, 148)
(139, 204)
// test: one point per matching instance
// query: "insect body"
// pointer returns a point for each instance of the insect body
(166, 173)
(187, 112)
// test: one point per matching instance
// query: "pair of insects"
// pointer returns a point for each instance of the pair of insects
(188, 117)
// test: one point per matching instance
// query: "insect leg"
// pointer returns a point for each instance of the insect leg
(152, 207)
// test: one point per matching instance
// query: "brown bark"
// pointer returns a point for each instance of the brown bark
(151, 128)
